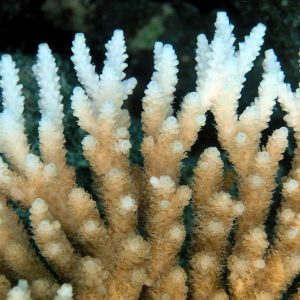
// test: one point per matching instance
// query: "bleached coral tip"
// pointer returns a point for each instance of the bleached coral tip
(213, 151)
(89, 142)
(287, 215)
(154, 181)
(158, 45)
(32, 159)
(291, 185)
(239, 208)
(43, 47)
(241, 138)
(114, 172)
(192, 99)
(177, 147)
(54, 249)
(124, 146)
(6, 58)
(215, 227)
(128, 203)
(135, 244)
(50, 170)
(119, 33)
(65, 291)
(224, 197)
(164, 204)
(258, 233)
(222, 17)
(270, 53)
(122, 132)
(5, 179)
(259, 264)
(204, 261)
(203, 165)
(39, 205)
(262, 157)
(262, 27)
(79, 36)
(178, 275)
(200, 120)
(168, 46)
(201, 38)
(292, 233)
(90, 226)
(77, 90)
(256, 181)
(23, 283)
(166, 180)
(108, 108)
(284, 130)
(177, 233)
(170, 124)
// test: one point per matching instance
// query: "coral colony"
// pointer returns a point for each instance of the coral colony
(70, 252)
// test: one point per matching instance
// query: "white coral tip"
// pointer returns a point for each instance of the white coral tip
(50, 170)
(200, 120)
(241, 138)
(291, 186)
(65, 292)
(256, 181)
(164, 204)
(123, 146)
(39, 206)
(89, 143)
(177, 147)
(128, 203)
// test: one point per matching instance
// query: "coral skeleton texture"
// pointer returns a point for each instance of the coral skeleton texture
(71, 252)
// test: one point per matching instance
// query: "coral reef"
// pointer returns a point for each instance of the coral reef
(59, 242)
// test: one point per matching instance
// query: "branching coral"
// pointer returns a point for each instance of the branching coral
(132, 252)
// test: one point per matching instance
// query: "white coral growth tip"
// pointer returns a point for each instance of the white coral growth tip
(45, 71)
(110, 85)
(13, 139)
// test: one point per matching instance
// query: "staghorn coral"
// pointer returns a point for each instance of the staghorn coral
(131, 252)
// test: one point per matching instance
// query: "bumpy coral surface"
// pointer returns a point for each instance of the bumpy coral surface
(128, 248)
